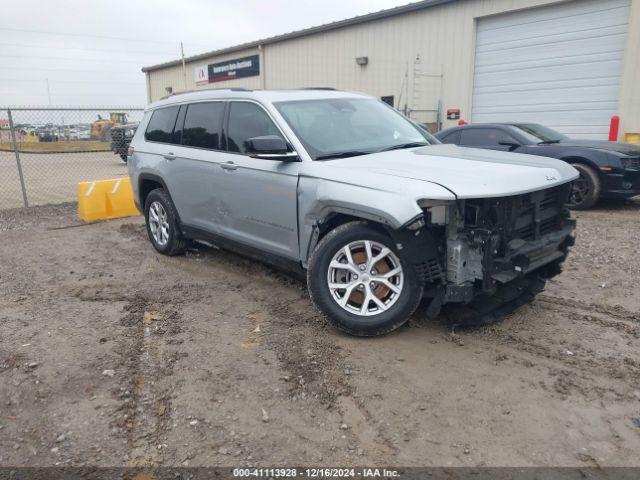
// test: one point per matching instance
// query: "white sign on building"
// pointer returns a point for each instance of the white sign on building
(201, 75)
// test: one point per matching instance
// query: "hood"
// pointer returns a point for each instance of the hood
(466, 172)
(619, 147)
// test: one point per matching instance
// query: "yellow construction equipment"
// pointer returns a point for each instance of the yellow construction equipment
(106, 199)
(101, 127)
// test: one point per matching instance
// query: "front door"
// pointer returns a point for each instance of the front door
(256, 198)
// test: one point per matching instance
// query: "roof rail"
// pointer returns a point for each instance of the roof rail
(318, 88)
(235, 89)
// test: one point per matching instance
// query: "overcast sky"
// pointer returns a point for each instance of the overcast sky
(92, 52)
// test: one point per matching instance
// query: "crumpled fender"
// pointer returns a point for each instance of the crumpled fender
(319, 198)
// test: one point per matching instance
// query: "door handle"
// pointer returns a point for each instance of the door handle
(229, 165)
(169, 156)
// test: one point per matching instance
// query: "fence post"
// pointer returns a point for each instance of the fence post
(16, 150)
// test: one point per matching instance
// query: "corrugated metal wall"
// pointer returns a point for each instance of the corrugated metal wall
(441, 37)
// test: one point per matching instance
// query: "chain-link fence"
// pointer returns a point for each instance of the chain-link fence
(45, 152)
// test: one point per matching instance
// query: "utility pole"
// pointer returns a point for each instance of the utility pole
(48, 91)
(184, 68)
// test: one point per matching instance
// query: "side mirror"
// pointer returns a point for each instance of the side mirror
(270, 147)
(511, 145)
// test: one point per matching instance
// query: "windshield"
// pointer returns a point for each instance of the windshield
(535, 133)
(344, 127)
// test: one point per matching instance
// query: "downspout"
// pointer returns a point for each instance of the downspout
(148, 80)
(263, 70)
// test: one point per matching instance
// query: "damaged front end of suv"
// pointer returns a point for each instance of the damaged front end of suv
(489, 255)
(474, 236)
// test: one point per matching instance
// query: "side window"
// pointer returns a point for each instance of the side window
(202, 125)
(247, 120)
(483, 137)
(161, 125)
(453, 137)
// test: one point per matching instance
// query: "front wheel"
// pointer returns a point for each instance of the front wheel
(361, 282)
(585, 190)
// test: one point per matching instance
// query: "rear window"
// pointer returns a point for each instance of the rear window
(202, 125)
(161, 125)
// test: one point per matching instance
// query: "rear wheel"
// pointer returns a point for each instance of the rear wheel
(162, 223)
(586, 188)
(361, 282)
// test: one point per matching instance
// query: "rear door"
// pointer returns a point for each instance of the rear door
(257, 199)
(193, 170)
(158, 145)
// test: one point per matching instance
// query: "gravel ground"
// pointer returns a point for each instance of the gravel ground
(53, 177)
(112, 355)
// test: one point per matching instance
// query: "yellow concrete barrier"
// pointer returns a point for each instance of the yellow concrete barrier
(105, 199)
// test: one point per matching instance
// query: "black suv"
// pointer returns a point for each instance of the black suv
(607, 169)
(121, 138)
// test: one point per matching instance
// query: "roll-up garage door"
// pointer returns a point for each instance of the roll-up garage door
(557, 65)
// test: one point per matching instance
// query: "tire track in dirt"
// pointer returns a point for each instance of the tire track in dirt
(145, 417)
(615, 311)
(305, 348)
(584, 370)
(145, 405)
(590, 315)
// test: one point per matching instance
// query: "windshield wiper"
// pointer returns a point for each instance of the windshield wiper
(352, 153)
(548, 142)
(405, 145)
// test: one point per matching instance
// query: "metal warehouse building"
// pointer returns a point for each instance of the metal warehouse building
(570, 65)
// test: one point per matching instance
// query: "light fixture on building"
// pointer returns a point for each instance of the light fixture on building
(362, 61)
(169, 90)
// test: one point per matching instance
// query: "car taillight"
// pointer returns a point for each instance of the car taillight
(129, 151)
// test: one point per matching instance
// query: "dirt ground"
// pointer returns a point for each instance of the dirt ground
(112, 355)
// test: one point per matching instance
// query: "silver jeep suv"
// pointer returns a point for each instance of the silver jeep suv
(377, 211)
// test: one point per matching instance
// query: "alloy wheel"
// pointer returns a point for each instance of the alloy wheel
(158, 223)
(579, 191)
(365, 278)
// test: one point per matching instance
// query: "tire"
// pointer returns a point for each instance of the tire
(170, 241)
(485, 309)
(389, 309)
(586, 189)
